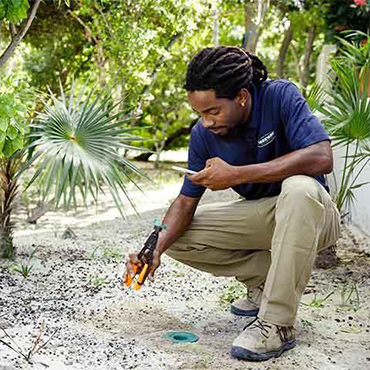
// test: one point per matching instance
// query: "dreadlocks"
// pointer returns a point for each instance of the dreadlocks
(224, 69)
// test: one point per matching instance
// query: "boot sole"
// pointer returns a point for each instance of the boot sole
(240, 312)
(245, 354)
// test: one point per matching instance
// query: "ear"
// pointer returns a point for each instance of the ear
(242, 97)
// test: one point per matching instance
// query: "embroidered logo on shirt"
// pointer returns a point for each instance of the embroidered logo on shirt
(266, 139)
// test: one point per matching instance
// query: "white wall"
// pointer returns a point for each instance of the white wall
(360, 211)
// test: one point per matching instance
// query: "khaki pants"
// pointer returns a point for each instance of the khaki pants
(271, 240)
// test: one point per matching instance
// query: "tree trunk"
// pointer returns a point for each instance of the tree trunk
(97, 42)
(16, 39)
(8, 189)
(39, 211)
(307, 58)
(215, 27)
(288, 36)
(157, 159)
(297, 63)
(254, 16)
(250, 25)
(159, 63)
(159, 146)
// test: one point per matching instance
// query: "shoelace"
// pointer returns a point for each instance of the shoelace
(259, 324)
(283, 333)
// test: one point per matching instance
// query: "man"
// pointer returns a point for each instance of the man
(258, 137)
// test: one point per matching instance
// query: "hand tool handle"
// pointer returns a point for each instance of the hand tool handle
(143, 274)
(129, 278)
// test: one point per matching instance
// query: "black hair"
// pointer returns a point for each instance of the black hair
(225, 69)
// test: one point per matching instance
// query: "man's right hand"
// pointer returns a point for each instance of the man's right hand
(130, 263)
(134, 261)
(177, 219)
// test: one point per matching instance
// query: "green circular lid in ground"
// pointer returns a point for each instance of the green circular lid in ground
(181, 337)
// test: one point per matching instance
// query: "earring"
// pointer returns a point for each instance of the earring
(242, 104)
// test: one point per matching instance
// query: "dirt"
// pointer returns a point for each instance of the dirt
(73, 287)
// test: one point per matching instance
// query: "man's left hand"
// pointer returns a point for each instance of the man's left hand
(217, 175)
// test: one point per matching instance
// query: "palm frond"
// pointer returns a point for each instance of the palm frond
(354, 51)
(315, 97)
(347, 110)
(77, 145)
(347, 115)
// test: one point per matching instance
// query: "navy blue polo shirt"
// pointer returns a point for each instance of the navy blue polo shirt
(281, 122)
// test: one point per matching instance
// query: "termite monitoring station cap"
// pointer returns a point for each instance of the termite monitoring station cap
(181, 337)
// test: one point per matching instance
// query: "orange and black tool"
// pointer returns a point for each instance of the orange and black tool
(146, 258)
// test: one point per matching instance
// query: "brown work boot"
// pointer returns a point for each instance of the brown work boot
(261, 340)
(249, 305)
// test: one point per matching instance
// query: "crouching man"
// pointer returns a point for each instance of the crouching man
(258, 137)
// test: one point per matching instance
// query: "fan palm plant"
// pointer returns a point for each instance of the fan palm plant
(347, 119)
(76, 143)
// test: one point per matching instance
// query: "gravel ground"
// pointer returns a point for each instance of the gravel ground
(73, 288)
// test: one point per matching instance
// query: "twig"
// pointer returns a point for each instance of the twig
(36, 347)
(18, 38)
(17, 349)
(13, 31)
(45, 343)
(37, 340)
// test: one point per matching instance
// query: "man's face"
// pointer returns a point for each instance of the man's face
(220, 115)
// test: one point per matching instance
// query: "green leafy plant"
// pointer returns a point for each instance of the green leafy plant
(347, 119)
(77, 143)
(111, 252)
(307, 324)
(233, 292)
(14, 11)
(318, 302)
(355, 48)
(105, 252)
(12, 132)
(344, 15)
(24, 268)
(315, 97)
(97, 281)
(350, 297)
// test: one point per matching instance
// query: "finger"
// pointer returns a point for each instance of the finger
(209, 162)
(131, 262)
(133, 259)
(199, 177)
(153, 268)
(151, 273)
(193, 179)
(130, 268)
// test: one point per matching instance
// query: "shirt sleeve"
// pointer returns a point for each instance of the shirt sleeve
(197, 157)
(302, 128)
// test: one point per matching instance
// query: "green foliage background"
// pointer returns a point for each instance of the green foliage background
(13, 11)
(139, 50)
